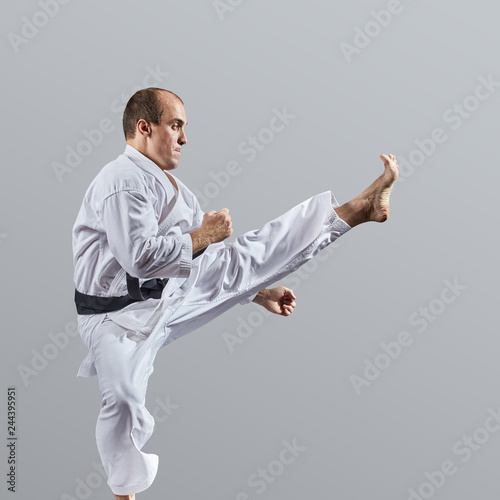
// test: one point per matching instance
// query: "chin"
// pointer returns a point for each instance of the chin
(170, 166)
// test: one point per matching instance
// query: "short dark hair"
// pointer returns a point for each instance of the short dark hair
(145, 104)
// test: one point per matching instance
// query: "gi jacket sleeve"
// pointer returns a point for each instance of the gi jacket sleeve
(131, 227)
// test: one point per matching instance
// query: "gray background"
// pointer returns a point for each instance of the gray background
(291, 378)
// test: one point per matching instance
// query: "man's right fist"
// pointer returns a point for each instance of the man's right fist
(217, 225)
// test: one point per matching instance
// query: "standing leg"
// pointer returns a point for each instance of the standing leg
(124, 362)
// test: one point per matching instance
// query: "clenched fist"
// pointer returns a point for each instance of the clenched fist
(279, 300)
(216, 226)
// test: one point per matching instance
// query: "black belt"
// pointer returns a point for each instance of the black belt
(92, 304)
(151, 289)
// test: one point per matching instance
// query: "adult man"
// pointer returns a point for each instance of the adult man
(150, 267)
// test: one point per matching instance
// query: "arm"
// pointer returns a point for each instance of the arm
(131, 228)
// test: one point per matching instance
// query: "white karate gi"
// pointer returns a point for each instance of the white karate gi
(133, 220)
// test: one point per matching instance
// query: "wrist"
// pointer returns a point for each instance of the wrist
(260, 297)
(199, 240)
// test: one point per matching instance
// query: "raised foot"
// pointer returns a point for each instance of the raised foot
(376, 197)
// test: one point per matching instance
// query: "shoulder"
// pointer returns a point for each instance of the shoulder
(121, 174)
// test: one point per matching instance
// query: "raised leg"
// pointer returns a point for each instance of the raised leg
(257, 259)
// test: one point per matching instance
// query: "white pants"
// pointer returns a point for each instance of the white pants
(226, 275)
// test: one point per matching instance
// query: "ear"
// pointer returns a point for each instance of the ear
(143, 128)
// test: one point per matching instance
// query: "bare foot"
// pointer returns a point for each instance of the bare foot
(373, 203)
(124, 497)
(377, 195)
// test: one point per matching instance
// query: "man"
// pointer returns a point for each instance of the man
(150, 267)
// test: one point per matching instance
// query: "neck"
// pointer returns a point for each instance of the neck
(142, 150)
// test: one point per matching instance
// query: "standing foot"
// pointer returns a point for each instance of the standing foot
(373, 203)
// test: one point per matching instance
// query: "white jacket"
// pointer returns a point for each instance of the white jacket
(118, 227)
(133, 220)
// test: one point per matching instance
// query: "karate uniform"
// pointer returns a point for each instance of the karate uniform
(134, 221)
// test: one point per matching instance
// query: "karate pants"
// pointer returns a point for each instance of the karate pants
(227, 275)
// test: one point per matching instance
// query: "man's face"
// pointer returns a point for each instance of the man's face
(168, 137)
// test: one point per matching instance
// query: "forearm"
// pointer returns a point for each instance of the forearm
(162, 257)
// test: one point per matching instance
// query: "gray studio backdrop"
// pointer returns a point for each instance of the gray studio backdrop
(385, 382)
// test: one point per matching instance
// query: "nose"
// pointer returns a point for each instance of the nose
(182, 138)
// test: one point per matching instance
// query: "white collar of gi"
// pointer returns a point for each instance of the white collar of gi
(150, 166)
